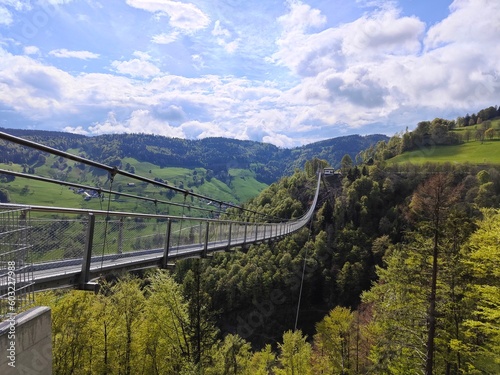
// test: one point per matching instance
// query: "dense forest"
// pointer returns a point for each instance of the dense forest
(397, 274)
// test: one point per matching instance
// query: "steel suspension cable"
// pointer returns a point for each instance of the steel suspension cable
(305, 256)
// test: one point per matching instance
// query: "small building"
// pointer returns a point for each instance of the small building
(329, 171)
(131, 184)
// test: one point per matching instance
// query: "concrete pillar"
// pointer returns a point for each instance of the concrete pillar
(31, 341)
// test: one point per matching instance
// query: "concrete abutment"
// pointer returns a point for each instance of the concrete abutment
(27, 344)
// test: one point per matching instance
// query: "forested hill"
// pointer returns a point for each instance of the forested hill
(267, 161)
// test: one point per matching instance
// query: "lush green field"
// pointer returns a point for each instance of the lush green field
(473, 152)
(244, 184)
(239, 186)
(495, 124)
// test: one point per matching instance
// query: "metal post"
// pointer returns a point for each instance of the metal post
(120, 236)
(166, 246)
(205, 246)
(256, 231)
(87, 255)
(229, 235)
(245, 234)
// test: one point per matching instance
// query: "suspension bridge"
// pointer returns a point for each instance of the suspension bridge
(53, 247)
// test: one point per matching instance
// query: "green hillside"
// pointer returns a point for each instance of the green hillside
(473, 152)
(238, 187)
(441, 141)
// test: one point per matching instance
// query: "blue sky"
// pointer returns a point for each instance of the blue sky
(283, 72)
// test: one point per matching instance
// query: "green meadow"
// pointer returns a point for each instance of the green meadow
(239, 187)
(473, 152)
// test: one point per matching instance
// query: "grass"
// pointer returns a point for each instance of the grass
(473, 152)
(244, 184)
(242, 187)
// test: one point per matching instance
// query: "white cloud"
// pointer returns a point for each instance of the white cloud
(223, 38)
(41, 93)
(136, 68)
(382, 68)
(218, 30)
(472, 22)
(16, 4)
(31, 50)
(76, 130)
(369, 38)
(369, 69)
(5, 16)
(64, 53)
(280, 140)
(301, 18)
(140, 121)
(197, 130)
(57, 2)
(142, 55)
(198, 62)
(165, 38)
(231, 47)
(383, 32)
(183, 16)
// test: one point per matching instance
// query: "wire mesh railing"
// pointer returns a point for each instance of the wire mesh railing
(77, 245)
(64, 237)
(16, 275)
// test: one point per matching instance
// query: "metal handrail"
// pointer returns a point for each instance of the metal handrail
(225, 234)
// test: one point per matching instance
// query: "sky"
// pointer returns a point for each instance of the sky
(286, 72)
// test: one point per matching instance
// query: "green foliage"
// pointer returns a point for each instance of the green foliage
(399, 313)
(201, 328)
(481, 258)
(125, 329)
(164, 327)
(295, 355)
(262, 362)
(346, 163)
(428, 279)
(311, 167)
(232, 357)
(4, 196)
(332, 342)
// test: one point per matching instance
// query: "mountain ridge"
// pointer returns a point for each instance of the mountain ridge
(216, 153)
